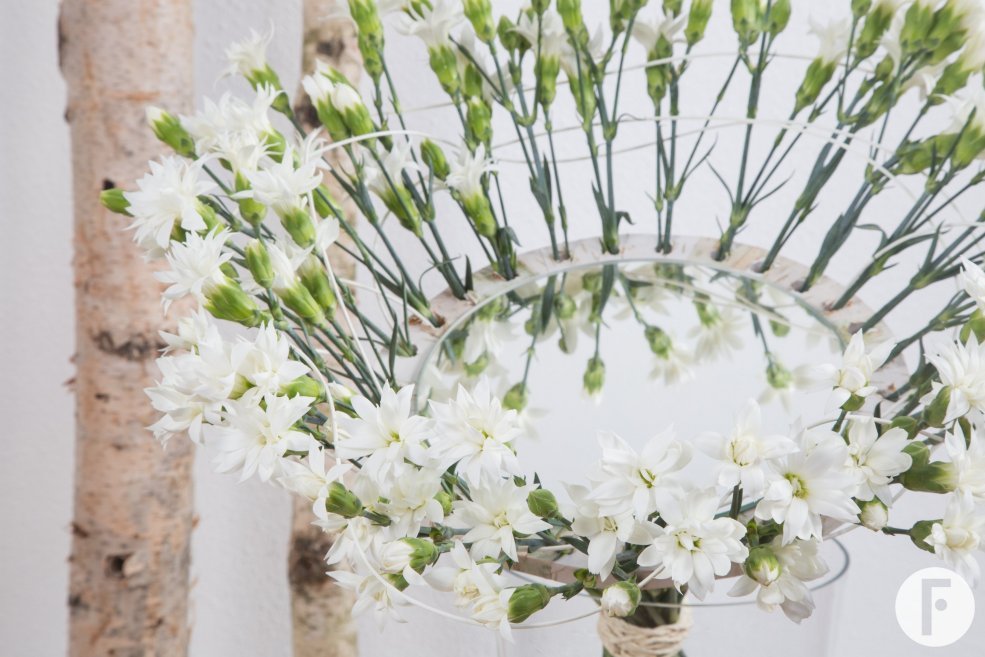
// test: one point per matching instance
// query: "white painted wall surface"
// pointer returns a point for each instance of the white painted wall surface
(240, 546)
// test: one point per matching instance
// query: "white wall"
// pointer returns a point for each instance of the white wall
(241, 602)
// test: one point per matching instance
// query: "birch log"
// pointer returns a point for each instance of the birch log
(321, 618)
(133, 514)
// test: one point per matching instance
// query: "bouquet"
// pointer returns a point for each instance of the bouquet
(310, 392)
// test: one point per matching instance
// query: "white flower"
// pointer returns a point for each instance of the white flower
(280, 185)
(961, 368)
(799, 562)
(968, 460)
(397, 160)
(972, 280)
(545, 32)
(193, 386)
(744, 452)
(958, 535)
(465, 173)
(384, 435)
(617, 602)
(319, 86)
(411, 501)
(628, 481)
(695, 546)
(854, 377)
(607, 535)
(718, 333)
(265, 362)
(196, 266)
(674, 365)
(168, 194)
(972, 57)
(434, 23)
(497, 510)
(486, 336)
(371, 593)
(255, 438)
(808, 484)
(968, 108)
(232, 128)
(477, 433)
(876, 459)
(874, 516)
(466, 578)
(309, 477)
(492, 609)
(649, 32)
(833, 38)
(250, 54)
(355, 538)
(191, 330)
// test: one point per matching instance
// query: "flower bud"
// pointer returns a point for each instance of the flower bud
(746, 20)
(479, 211)
(875, 26)
(818, 74)
(542, 503)
(594, 378)
(435, 159)
(936, 477)
(251, 210)
(778, 376)
(779, 329)
(935, 413)
(920, 532)
(114, 200)
(444, 63)
(445, 500)
(304, 386)
(874, 515)
(228, 301)
(526, 601)
(299, 299)
(169, 130)
(479, 13)
(697, 21)
(398, 200)
(258, 262)
(779, 16)
(478, 366)
(516, 397)
(314, 277)
(508, 36)
(414, 553)
(570, 11)
(350, 106)
(298, 225)
(342, 501)
(621, 599)
(762, 566)
(546, 68)
(660, 343)
(564, 306)
(584, 95)
(478, 116)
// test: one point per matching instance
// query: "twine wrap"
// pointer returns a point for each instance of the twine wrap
(621, 639)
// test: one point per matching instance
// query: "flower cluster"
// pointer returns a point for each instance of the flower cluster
(281, 374)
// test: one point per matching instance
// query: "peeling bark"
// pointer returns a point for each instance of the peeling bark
(133, 513)
(321, 618)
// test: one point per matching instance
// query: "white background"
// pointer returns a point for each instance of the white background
(239, 560)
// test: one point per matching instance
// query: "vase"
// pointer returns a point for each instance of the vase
(718, 626)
